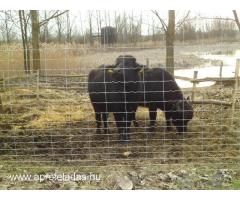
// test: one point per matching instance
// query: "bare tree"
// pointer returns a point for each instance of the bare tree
(36, 24)
(6, 13)
(169, 30)
(235, 19)
(44, 37)
(59, 28)
(170, 37)
(35, 40)
(90, 23)
(23, 19)
(69, 27)
(99, 21)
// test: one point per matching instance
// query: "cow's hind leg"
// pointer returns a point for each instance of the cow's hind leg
(105, 122)
(98, 122)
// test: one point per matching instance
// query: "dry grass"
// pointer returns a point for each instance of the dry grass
(73, 58)
(52, 110)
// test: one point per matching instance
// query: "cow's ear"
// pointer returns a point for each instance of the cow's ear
(139, 68)
(110, 71)
(178, 105)
(189, 101)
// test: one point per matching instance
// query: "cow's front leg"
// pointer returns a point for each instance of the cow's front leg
(119, 123)
(152, 116)
(168, 121)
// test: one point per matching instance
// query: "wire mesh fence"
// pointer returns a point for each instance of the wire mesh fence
(48, 117)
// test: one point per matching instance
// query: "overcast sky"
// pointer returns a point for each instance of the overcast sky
(147, 16)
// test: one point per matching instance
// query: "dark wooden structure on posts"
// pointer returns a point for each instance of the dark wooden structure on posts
(108, 35)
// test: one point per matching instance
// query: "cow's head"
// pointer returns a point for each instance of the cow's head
(183, 113)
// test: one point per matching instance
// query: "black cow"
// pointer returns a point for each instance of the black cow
(114, 89)
(160, 90)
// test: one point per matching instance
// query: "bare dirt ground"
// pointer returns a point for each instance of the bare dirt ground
(55, 134)
(185, 54)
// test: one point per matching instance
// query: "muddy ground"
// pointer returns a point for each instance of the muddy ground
(58, 130)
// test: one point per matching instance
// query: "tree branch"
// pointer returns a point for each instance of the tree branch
(218, 18)
(180, 23)
(54, 15)
(161, 20)
(236, 19)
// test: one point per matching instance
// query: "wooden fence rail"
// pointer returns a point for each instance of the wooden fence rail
(193, 80)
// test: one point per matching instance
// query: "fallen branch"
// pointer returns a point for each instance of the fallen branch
(63, 76)
(183, 78)
(215, 102)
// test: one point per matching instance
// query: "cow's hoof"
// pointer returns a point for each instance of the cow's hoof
(125, 141)
(169, 129)
(181, 134)
(124, 138)
(151, 129)
(136, 124)
(120, 138)
(106, 131)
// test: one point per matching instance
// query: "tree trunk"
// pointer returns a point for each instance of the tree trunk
(59, 29)
(90, 30)
(7, 28)
(45, 37)
(170, 36)
(1, 106)
(27, 50)
(35, 40)
(69, 29)
(26, 55)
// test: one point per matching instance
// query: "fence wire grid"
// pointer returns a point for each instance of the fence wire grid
(48, 118)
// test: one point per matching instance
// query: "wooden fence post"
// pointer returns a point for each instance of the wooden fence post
(235, 88)
(195, 74)
(220, 71)
(147, 62)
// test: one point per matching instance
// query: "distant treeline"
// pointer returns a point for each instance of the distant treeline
(130, 28)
